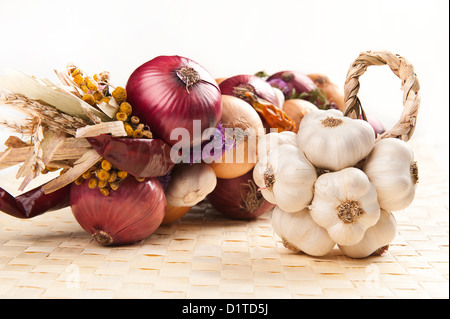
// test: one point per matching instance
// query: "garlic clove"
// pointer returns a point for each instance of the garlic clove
(376, 237)
(300, 233)
(392, 169)
(189, 185)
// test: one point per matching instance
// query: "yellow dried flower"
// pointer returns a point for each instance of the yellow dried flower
(134, 120)
(114, 185)
(89, 99)
(92, 183)
(79, 180)
(106, 165)
(112, 177)
(76, 72)
(125, 107)
(138, 134)
(119, 94)
(122, 174)
(78, 79)
(84, 88)
(90, 84)
(102, 184)
(106, 99)
(98, 96)
(104, 191)
(128, 129)
(120, 116)
(102, 175)
(147, 134)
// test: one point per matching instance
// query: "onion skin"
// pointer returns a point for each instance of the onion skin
(34, 202)
(294, 80)
(162, 99)
(139, 157)
(229, 194)
(129, 214)
(241, 115)
(260, 88)
(377, 126)
(174, 213)
(296, 109)
(332, 91)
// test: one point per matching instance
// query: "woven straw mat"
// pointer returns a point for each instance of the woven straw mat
(205, 255)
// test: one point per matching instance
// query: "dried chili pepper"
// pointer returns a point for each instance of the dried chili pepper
(34, 202)
(273, 115)
(139, 157)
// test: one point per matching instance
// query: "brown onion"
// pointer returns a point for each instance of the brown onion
(239, 198)
(174, 213)
(296, 109)
(237, 114)
(333, 92)
(126, 215)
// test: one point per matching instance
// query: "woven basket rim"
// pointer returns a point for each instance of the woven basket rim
(403, 69)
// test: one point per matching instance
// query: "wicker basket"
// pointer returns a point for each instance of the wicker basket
(405, 127)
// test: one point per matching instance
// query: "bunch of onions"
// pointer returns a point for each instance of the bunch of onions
(242, 118)
(129, 214)
(239, 198)
(291, 80)
(239, 84)
(171, 92)
(295, 84)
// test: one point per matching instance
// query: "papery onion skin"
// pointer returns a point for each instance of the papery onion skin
(139, 157)
(230, 198)
(165, 98)
(236, 85)
(129, 214)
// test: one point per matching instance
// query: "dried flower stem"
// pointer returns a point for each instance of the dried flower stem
(53, 119)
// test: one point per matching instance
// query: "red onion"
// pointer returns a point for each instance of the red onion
(126, 215)
(294, 83)
(376, 124)
(239, 198)
(171, 92)
(237, 86)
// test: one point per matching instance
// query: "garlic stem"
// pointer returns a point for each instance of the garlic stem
(350, 211)
(414, 169)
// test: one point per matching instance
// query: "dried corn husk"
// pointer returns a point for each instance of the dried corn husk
(71, 150)
(82, 165)
(115, 128)
(51, 94)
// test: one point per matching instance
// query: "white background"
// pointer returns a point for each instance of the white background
(242, 37)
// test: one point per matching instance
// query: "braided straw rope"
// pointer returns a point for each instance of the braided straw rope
(405, 127)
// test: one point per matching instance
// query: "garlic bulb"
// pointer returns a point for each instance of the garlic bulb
(286, 178)
(376, 239)
(333, 141)
(392, 169)
(272, 141)
(300, 233)
(190, 184)
(345, 204)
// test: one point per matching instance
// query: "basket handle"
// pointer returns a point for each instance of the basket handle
(405, 127)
